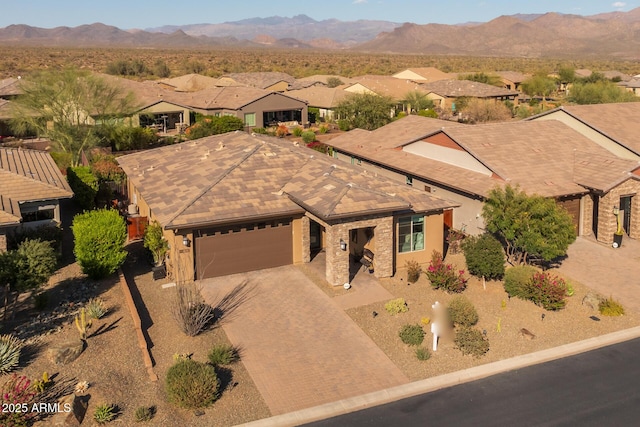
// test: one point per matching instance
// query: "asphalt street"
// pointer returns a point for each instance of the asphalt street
(597, 388)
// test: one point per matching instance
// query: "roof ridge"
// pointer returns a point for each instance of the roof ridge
(220, 178)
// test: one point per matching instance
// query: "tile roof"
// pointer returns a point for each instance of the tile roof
(237, 176)
(513, 76)
(261, 80)
(603, 172)
(10, 87)
(232, 97)
(431, 74)
(390, 86)
(190, 82)
(618, 121)
(9, 211)
(320, 96)
(30, 175)
(456, 88)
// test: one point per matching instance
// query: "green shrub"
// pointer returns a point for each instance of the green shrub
(84, 185)
(99, 238)
(155, 242)
(344, 125)
(46, 233)
(484, 256)
(222, 354)
(105, 413)
(516, 279)
(192, 385)
(308, 137)
(41, 301)
(610, 307)
(412, 334)
(210, 125)
(413, 271)
(95, 308)
(444, 276)
(396, 306)
(462, 312)
(428, 113)
(35, 262)
(423, 353)
(547, 290)
(144, 413)
(323, 129)
(10, 348)
(297, 131)
(470, 341)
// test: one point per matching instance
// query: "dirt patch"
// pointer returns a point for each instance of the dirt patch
(502, 319)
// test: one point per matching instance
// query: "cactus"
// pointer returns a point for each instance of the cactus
(10, 348)
(96, 308)
(83, 324)
(42, 384)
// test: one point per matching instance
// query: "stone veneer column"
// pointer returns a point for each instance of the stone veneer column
(384, 250)
(337, 261)
(3, 243)
(587, 215)
(306, 239)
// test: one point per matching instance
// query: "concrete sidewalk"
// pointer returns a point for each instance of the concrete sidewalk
(381, 397)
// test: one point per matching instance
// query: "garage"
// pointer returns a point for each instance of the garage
(243, 247)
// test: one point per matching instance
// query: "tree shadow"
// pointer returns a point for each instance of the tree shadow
(224, 308)
(105, 328)
(29, 353)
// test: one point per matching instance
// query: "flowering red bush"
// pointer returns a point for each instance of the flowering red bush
(16, 397)
(547, 291)
(444, 276)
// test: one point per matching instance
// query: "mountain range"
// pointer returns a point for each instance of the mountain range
(609, 35)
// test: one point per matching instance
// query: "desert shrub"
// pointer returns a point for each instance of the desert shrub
(10, 348)
(308, 137)
(99, 238)
(155, 242)
(191, 385)
(144, 413)
(414, 269)
(462, 312)
(323, 129)
(547, 290)
(95, 308)
(210, 125)
(470, 341)
(17, 390)
(190, 311)
(454, 240)
(84, 185)
(222, 354)
(428, 113)
(610, 307)
(396, 306)
(516, 279)
(412, 334)
(423, 353)
(261, 131)
(344, 125)
(105, 413)
(297, 131)
(484, 256)
(282, 131)
(444, 276)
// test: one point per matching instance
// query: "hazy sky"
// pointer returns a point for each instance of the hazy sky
(147, 14)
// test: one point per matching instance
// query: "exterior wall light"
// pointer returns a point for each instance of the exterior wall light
(343, 245)
(186, 241)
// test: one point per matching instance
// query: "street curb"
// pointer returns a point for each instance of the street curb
(393, 394)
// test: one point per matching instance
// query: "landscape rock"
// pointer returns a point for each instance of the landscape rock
(65, 353)
(592, 300)
(72, 418)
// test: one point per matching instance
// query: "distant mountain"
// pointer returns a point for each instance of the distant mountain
(614, 35)
(299, 27)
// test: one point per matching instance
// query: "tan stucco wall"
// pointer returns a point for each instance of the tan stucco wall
(434, 241)
(163, 107)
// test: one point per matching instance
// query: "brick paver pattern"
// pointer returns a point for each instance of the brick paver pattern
(299, 347)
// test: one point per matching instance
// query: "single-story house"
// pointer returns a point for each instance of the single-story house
(422, 74)
(512, 80)
(272, 81)
(31, 186)
(324, 98)
(444, 93)
(464, 162)
(394, 88)
(238, 202)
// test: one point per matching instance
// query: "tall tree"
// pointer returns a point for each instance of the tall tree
(600, 92)
(69, 107)
(417, 101)
(529, 227)
(365, 111)
(539, 85)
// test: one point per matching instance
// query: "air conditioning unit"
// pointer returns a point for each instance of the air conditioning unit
(132, 209)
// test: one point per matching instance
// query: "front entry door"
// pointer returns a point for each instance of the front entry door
(625, 205)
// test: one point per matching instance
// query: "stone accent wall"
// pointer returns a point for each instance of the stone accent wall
(606, 218)
(3, 242)
(587, 215)
(306, 239)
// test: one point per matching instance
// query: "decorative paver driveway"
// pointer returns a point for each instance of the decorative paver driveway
(608, 271)
(299, 347)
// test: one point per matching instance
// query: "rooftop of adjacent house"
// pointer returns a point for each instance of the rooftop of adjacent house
(9, 211)
(430, 74)
(190, 82)
(322, 79)
(237, 176)
(5, 109)
(513, 76)
(232, 97)
(320, 96)
(390, 86)
(260, 80)
(603, 172)
(456, 88)
(10, 87)
(30, 175)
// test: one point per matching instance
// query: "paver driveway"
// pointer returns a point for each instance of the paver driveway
(299, 347)
(608, 271)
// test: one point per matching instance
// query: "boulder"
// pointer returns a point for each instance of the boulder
(592, 300)
(66, 352)
(71, 413)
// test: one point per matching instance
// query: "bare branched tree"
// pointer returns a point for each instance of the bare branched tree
(190, 311)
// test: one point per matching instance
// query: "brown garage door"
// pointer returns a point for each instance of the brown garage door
(244, 247)
(573, 207)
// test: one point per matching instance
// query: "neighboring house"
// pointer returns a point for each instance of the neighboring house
(323, 98)
(444, 93)
(632, 85)
(463, 162)
(270, 80)
(190, 83)
(396, 89)
(10, 88)
(512, 80)
(31, 187)
(237, 202)
(422, 75)
(5, 117)
(318, 80)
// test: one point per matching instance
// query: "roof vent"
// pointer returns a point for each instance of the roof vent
(329, 187)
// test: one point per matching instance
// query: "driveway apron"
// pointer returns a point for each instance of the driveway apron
(299, 347)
